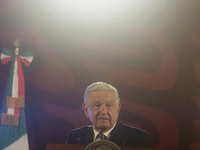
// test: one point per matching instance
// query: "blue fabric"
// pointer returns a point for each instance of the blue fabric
(9, 134)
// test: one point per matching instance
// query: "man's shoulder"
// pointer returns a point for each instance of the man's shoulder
(131, 136)
(129, 129)
(82, 129)
(78, 135)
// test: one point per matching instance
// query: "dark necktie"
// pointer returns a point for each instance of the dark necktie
(101, 136)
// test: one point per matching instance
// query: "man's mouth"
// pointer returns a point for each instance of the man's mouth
(102, 118)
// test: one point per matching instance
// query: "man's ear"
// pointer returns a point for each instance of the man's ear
(119, 107)
(85, 108)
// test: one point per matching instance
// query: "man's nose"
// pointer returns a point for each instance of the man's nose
(103, 109)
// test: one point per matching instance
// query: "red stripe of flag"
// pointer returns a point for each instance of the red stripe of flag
(17, 111)
(20, 78)
(26, 62)
(5, 60)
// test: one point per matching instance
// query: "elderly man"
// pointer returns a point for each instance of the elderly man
(101, 105)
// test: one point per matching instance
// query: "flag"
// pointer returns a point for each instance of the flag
(13, 132)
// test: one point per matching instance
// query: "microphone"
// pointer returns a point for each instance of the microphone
(78, 140)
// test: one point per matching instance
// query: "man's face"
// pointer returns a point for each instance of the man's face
(102, 109)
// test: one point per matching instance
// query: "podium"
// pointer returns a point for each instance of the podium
(82, 147)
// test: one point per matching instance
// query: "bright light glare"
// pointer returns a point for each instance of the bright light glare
(91, 9)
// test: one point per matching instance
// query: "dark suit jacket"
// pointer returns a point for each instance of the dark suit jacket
(122, 135)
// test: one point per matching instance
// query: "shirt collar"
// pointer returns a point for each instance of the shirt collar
(107, 133)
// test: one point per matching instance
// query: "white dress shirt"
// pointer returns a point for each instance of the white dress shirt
(107, 134)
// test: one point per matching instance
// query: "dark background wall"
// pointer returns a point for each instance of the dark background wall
(149, 50)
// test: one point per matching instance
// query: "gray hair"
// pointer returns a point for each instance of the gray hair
(100, 86)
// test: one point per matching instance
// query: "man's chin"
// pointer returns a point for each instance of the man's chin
(103, 127)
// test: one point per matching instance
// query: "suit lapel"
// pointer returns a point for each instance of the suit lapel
(88, 138)
(116, 135)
